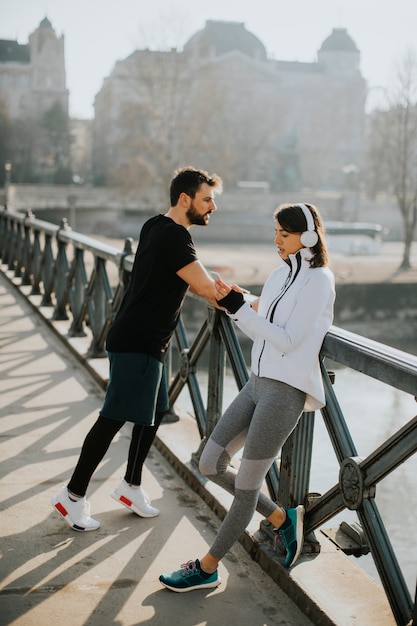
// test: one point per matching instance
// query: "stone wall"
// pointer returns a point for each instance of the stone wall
(243, 214)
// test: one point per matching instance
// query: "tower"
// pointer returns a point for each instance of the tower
(47, 62)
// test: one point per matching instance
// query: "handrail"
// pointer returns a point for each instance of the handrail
(387, 364)
(51, 259)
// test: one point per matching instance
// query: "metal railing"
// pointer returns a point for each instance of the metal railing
(52, 261)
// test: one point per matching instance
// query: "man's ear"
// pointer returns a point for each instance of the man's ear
(184, 200)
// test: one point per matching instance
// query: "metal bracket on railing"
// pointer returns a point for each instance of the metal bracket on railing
(352, 484)
(184, 364)
(350, 538)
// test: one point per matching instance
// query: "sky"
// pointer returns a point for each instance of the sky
(100, 32)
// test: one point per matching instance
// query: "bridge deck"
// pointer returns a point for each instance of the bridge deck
(50, 574)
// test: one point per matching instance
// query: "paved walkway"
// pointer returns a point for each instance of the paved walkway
(52, 575)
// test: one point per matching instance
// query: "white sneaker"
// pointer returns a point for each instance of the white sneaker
(76, 514)
(137, 500)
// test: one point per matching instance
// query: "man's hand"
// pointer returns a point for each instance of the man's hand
(228, 296)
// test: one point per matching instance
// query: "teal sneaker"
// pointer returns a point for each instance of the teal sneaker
(190, 577)
(291, 533)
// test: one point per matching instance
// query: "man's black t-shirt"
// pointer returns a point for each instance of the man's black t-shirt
(151, 307)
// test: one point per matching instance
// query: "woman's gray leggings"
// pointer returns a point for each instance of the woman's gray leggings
(259, 420)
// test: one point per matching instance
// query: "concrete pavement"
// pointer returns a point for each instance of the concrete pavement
(52, 575)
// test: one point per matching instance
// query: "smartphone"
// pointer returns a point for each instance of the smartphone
(216, 275)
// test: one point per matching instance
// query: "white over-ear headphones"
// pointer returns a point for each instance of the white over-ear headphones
(309, 237)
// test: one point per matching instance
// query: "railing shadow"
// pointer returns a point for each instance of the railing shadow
(52, 260)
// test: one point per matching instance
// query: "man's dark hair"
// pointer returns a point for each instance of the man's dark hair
(189, 180)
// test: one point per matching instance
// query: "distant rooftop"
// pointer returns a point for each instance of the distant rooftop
(11, 51)
(45, 23)
(222, 37)
(339, 41)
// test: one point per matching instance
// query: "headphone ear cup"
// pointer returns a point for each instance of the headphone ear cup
(309, 238)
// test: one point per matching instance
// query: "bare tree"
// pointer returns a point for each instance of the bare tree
(152, 121)
(229, 127)
(148, 126)
(5, 138)
(180, 111)
(37, 148)
(55, 144)
(393, 148)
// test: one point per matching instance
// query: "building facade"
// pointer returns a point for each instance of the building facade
(32, 86)
(223, 103)
(32, 75)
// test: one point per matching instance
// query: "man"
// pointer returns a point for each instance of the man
(165, 266)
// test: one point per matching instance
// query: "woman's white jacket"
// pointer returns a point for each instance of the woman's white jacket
(295, 312)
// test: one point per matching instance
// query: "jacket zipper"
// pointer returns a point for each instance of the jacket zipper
(272, 307)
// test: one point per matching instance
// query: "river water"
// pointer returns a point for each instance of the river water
(373, 411)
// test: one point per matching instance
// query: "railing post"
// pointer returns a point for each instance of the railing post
(98, 295)
(294, 476)
(12, 246)
(386, 562)
(36, 263)
(6, 236)
(61, 276)
(77, 284)
(296, 455)
(3, 226)
(215, 373)
(27, 251)
(19, 249)
(47, 271)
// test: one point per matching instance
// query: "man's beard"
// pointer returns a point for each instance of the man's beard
(196, 218)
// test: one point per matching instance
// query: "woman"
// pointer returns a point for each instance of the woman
(287, 325)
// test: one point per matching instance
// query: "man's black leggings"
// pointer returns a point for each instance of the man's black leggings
(97, 443)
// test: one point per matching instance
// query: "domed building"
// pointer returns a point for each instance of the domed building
(219, 38)
(222, 103)
(338, 53)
